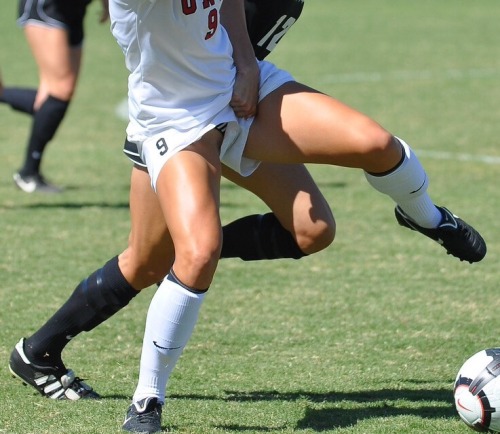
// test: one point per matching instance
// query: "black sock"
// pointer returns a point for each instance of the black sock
(46, 120)
(106, 291)
(19, 99)
(94, 300)
(257, 237)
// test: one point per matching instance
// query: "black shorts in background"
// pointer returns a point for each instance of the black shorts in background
(63, 14)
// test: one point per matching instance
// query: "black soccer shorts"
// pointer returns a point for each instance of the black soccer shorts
(64, 14)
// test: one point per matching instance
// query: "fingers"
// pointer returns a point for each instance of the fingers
(242, 108)
(245, 95)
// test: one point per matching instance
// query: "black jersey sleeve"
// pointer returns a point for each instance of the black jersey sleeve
(268, 21)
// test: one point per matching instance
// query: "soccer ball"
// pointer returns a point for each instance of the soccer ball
(477, 391)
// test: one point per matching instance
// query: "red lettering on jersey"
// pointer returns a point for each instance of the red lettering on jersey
(188, 6)
(208, 3)
(213, 23)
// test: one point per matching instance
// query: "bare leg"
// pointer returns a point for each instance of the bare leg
(188, 189)
(150, 252)
(294, 198)
(335, 134)
(58, 68)
(58, 63)
(339, 135)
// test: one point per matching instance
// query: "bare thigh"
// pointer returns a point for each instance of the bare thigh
(288, 190)
(58, 63)
(296, 124)
(188, 189)
(150, 251)
(293, 196)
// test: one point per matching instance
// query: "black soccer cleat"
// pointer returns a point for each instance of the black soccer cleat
(144, 416)
(49, 382)
(34, 184)
(456, 236)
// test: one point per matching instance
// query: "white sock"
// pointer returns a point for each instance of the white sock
(407, 186)
(171, 318)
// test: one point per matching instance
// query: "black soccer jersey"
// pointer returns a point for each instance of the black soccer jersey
(268, 21)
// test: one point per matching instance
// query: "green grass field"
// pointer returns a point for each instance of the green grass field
(363, 338)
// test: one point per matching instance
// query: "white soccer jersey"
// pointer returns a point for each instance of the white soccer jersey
(180, 62)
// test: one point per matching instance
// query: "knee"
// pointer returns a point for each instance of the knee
(378, 142)
(200, 257)
(317, 235)
(64, 87)
(142, 271)
(196, 261)
(64, 92)
(381, 153)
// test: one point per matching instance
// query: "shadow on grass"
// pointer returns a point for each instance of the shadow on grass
(323, 184)
(120, 205)
(82, 205)
(375, 404)
(71, 205)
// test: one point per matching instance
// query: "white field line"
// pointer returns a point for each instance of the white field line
(441, 155)
(374, 77)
